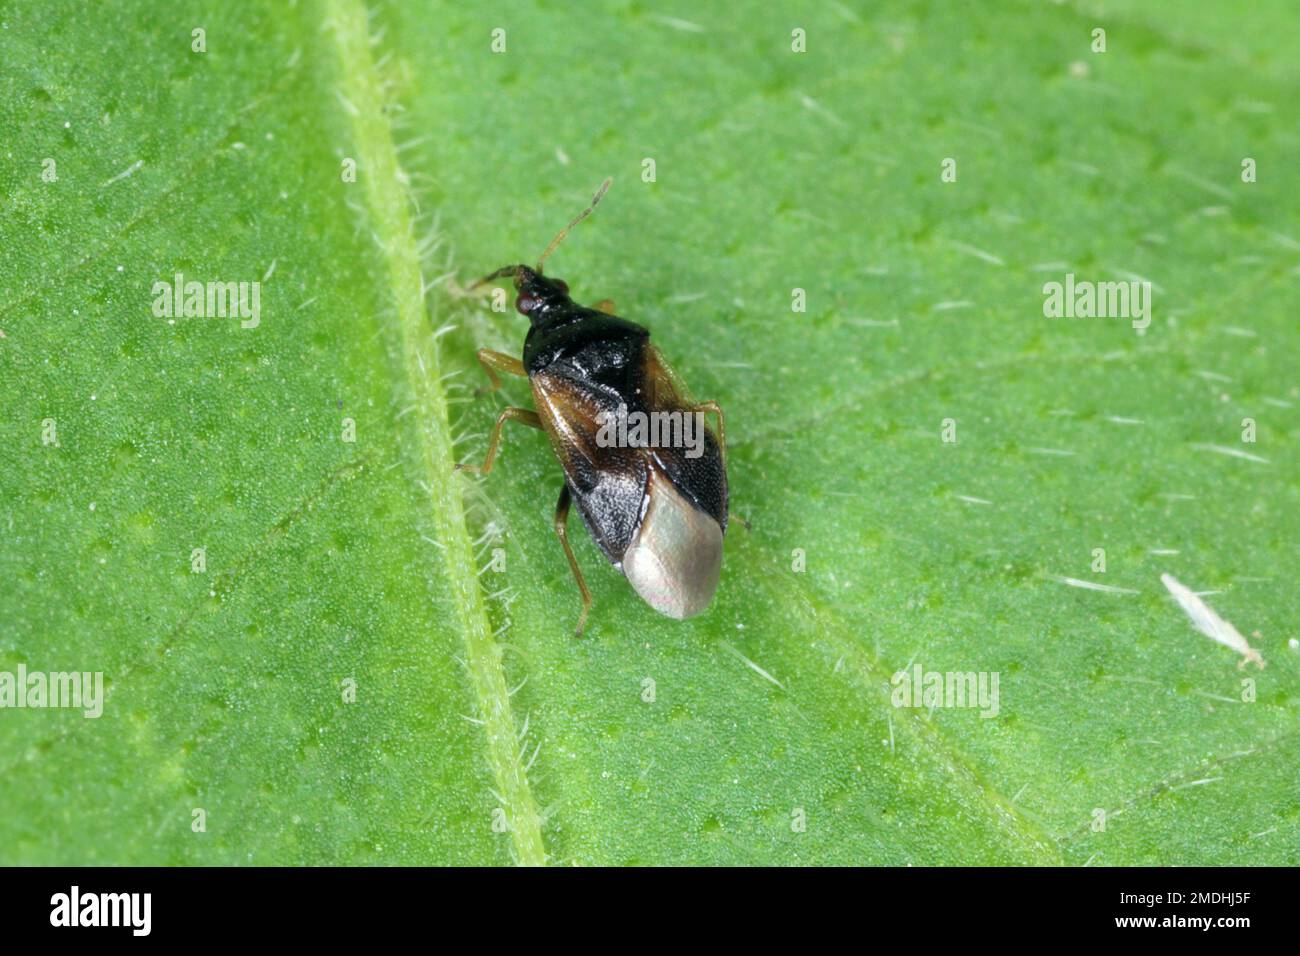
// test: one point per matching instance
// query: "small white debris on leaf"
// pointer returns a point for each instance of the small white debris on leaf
(1209, 623)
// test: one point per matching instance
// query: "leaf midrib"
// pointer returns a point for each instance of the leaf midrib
(388, 207)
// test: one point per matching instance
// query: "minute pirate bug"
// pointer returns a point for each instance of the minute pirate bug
(658, 512)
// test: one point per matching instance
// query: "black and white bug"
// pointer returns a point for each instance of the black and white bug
(658, 513)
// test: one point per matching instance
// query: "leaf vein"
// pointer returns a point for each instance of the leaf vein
(389, 209)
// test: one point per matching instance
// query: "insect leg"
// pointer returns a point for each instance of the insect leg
(494, 362)
(707, 407)
(561, 529)
(523, 415)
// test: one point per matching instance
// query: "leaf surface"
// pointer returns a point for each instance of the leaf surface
(764, 731)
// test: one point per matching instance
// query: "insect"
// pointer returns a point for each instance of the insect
(657, 511)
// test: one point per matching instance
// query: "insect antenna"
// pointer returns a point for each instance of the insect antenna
(581, 216)
(511, 271)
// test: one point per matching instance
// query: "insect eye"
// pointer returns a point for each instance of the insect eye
(525, 303)
(564, 286)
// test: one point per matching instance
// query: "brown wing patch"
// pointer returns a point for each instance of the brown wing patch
(570, 414)
(665, 390)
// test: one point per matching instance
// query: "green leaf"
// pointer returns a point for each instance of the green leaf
(765, 731)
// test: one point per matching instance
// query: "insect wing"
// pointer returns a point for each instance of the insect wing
(692, 458)
(608, 482)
